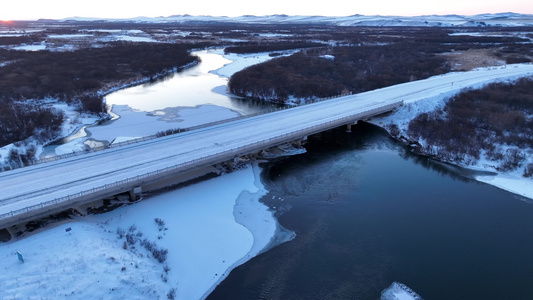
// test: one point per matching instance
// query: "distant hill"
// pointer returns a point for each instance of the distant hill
(499, 19)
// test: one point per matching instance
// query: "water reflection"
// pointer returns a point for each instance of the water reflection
(189, 88)
(370, 137)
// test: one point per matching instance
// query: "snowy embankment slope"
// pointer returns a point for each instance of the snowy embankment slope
(200, 233)
(513, 182)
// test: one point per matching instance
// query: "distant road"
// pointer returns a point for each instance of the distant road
(119, 169)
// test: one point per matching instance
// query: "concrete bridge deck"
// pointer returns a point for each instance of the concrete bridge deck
(51, 187)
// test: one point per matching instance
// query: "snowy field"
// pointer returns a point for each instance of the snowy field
(199, 230)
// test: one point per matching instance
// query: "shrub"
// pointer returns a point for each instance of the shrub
(160, 254)
(160, 224)
(517, 60)
(132, 228)
(166, 268)
(268, 47)
(131, 238)
(394, 130)
(120, 232)
(150, 246)
(84, 71)
(528, 170)
(171, 294)
(92, 103)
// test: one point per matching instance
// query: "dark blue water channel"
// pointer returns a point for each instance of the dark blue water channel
(367, 212)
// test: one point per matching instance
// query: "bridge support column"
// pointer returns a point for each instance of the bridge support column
(11, 232)
(80, 210)
(349, 126)
(133, 193)
(301, 141)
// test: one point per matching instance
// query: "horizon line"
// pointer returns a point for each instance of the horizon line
(251, 15)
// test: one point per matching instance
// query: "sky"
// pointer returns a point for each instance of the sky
(58, 9)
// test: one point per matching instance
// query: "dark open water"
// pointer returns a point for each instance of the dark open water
(367, 212)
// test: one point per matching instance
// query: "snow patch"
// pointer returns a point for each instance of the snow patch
(513, 183)
(242, 61)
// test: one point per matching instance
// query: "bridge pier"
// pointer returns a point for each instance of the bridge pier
(8, 234)
(136, 191)
(300, 142)
(349, 126)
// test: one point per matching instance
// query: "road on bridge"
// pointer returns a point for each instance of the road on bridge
(25, 187)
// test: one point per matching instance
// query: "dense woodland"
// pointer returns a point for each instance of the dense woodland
(309, 74)
(19, 121)
(66, 75)
(17, 40)
(74, 77)
(357, 67)
(496, 121)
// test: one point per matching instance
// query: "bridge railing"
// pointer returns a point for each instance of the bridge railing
(136, 180)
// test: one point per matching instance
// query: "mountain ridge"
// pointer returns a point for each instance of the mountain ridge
(495, 19)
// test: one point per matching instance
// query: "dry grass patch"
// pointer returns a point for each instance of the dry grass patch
(473, 58)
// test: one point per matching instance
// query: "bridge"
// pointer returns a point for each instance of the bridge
(47, 188)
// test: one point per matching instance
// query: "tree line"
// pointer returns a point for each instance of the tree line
(256, 47)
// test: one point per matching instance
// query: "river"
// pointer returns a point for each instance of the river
(366, 212)
(199, 85)
(189, 98)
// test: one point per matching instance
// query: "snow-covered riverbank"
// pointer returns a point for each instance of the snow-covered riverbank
(513, 181)
(132, 123)
(209, 228)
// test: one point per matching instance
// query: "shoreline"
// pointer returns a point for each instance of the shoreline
(250, 212)
(522, 187)
(511, 182)
(204, 239)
